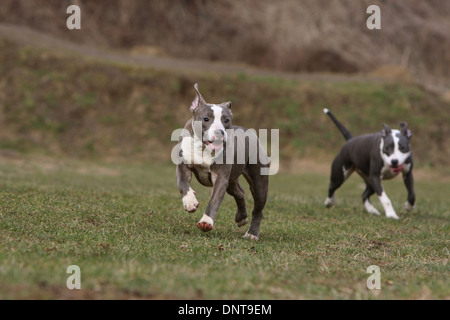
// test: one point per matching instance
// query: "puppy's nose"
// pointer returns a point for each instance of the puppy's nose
(394, 162)
(219, 134)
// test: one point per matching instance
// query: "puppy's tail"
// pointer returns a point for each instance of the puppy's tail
(347, 135)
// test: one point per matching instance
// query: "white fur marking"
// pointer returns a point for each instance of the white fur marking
(250, 236)
(386, 173)
(207, 219)
(217, 124)
(190, 202)
(406, 168)
(387, 206)
(408, 206)
(370, 208)
(329, 202)
(195, 153)
(347, 173)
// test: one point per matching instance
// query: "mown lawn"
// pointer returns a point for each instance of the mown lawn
(124, 226)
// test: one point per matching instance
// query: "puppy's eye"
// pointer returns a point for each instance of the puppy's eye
(206, 119)
(403, 148)
(227, 120)
(388, 149)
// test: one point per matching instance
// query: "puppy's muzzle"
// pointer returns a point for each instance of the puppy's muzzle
(216, 141)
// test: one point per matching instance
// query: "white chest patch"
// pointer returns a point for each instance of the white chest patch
(407, 168)
(386, 173)
(195, 153)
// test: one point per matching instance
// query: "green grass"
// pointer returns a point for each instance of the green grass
(124, 226)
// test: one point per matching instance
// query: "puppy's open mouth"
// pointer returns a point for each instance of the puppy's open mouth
(214, 145)
(397, 169)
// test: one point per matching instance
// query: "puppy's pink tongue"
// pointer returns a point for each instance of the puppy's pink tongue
(214, 146)
(397, 169)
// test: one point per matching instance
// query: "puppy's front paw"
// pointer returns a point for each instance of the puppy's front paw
(190, 202)
(370, 208)
(392, 215)
(205, 224)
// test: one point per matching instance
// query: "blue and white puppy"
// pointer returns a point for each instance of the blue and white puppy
(209, 137)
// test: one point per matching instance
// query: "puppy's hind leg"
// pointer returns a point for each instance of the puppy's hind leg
(409, 183)
(238, 194)
(259, 187)
(336, 180)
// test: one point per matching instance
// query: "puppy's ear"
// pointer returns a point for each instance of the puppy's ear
(198, 101)
(228, 106)
(386, 131)
(404, 130)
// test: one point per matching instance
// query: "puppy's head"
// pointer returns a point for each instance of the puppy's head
(394, 147)
(215, 120)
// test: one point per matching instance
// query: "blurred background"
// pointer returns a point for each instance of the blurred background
(118, 87)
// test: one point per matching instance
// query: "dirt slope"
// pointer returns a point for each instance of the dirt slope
(289, 35)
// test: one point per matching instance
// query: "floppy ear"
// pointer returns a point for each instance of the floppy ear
(386, 131)
(405, 131)
(198, 101)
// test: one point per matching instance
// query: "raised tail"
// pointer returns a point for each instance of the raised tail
(347, 135)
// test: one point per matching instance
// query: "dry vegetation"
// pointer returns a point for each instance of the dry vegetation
(69, 106)
(60, 104)
(288, 35)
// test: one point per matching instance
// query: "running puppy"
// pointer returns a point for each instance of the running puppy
(209, 137)
(375, 157)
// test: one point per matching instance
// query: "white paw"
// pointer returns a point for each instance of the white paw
(392, 215)
(387, 206)
(205, 224)
(329, 202)
(190, 202)
(370, 208)
(408, 206)
(250, 236)
(374, 211)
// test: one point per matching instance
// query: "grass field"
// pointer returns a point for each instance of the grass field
(84, 180)
(124, 226)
